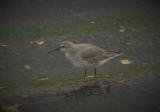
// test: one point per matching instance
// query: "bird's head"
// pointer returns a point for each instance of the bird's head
(66, 46)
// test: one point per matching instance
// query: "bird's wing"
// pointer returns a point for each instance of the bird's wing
(93, 54)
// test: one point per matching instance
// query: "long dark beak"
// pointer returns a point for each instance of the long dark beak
(53, 50)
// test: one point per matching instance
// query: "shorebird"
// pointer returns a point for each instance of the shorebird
(86, 55)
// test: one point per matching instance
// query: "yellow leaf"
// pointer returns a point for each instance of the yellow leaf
(122, 30)
(39, 42)
(125, 61)
(43, 78)
(90, 76)
(27, 66)
(92, 22)
(3, 45)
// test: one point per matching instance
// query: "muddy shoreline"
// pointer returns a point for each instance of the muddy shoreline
(140, 94)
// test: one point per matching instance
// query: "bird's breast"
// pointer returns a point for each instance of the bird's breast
(74, 60)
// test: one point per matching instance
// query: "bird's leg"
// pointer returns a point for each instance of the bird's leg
(85, 73)
(95, 73)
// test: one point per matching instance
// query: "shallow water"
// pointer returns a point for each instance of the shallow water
(140, 94)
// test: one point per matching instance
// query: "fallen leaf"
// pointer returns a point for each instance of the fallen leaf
(3, 45)
(90, 76)
(27, 66)
(92, 22)
(122, 30)
(125, 61)
(44, 78)
(39, 42)
(11, 107)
